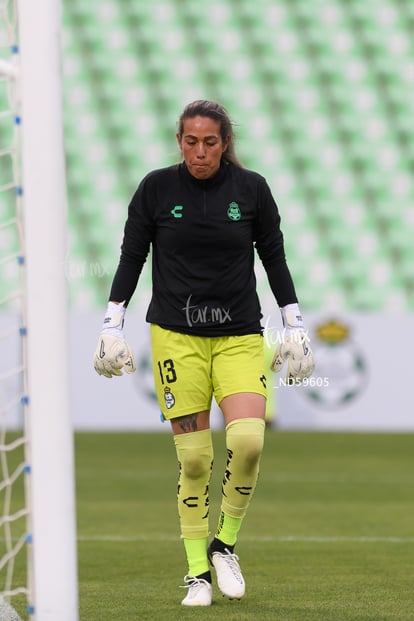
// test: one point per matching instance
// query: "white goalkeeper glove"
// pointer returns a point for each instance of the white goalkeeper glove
(294, 347)
(113, 353)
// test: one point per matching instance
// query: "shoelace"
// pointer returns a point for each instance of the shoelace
(192, 581)
(232, 561)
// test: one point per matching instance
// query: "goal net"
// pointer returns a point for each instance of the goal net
(38, 575)
(14, 577)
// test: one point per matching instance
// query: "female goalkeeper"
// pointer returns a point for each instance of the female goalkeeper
(203, 219)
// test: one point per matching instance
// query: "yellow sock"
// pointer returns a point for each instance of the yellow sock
(228, 529)
(196, 551)
(244, 441)
(195, 457)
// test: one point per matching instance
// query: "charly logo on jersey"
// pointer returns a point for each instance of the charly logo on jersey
(169, 397)
(233, 211)
(177, 211)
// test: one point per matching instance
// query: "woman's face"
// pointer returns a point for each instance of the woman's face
(202, 146)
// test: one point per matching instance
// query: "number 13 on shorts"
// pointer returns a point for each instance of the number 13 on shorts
(167, 371)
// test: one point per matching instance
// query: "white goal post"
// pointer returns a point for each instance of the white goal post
(53, 552)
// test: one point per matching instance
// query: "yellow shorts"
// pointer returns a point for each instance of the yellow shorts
(189, 370)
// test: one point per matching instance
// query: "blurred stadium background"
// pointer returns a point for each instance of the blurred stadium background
(321, 94)
(322, 97)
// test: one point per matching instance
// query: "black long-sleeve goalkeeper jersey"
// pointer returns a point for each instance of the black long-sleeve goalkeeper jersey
(203, 235)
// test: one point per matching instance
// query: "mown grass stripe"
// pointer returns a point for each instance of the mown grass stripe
(265, 539)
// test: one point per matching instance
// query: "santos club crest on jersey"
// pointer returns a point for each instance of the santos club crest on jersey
(233, 211)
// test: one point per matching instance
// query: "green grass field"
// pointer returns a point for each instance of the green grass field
(329, 535)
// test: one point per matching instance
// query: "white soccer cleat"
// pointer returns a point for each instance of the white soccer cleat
(200, 592)
(229, 576)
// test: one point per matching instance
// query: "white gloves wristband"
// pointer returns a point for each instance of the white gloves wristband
(293, 347)
(113, 353)
(292, 317)
(114, 320)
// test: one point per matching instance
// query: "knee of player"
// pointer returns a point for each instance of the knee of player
(253, 450)
(245, 438)
(248, 450)
(196, 465)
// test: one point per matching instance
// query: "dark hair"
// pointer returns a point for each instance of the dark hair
(217, 112)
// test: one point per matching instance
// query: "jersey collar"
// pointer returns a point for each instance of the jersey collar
(205, 183)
